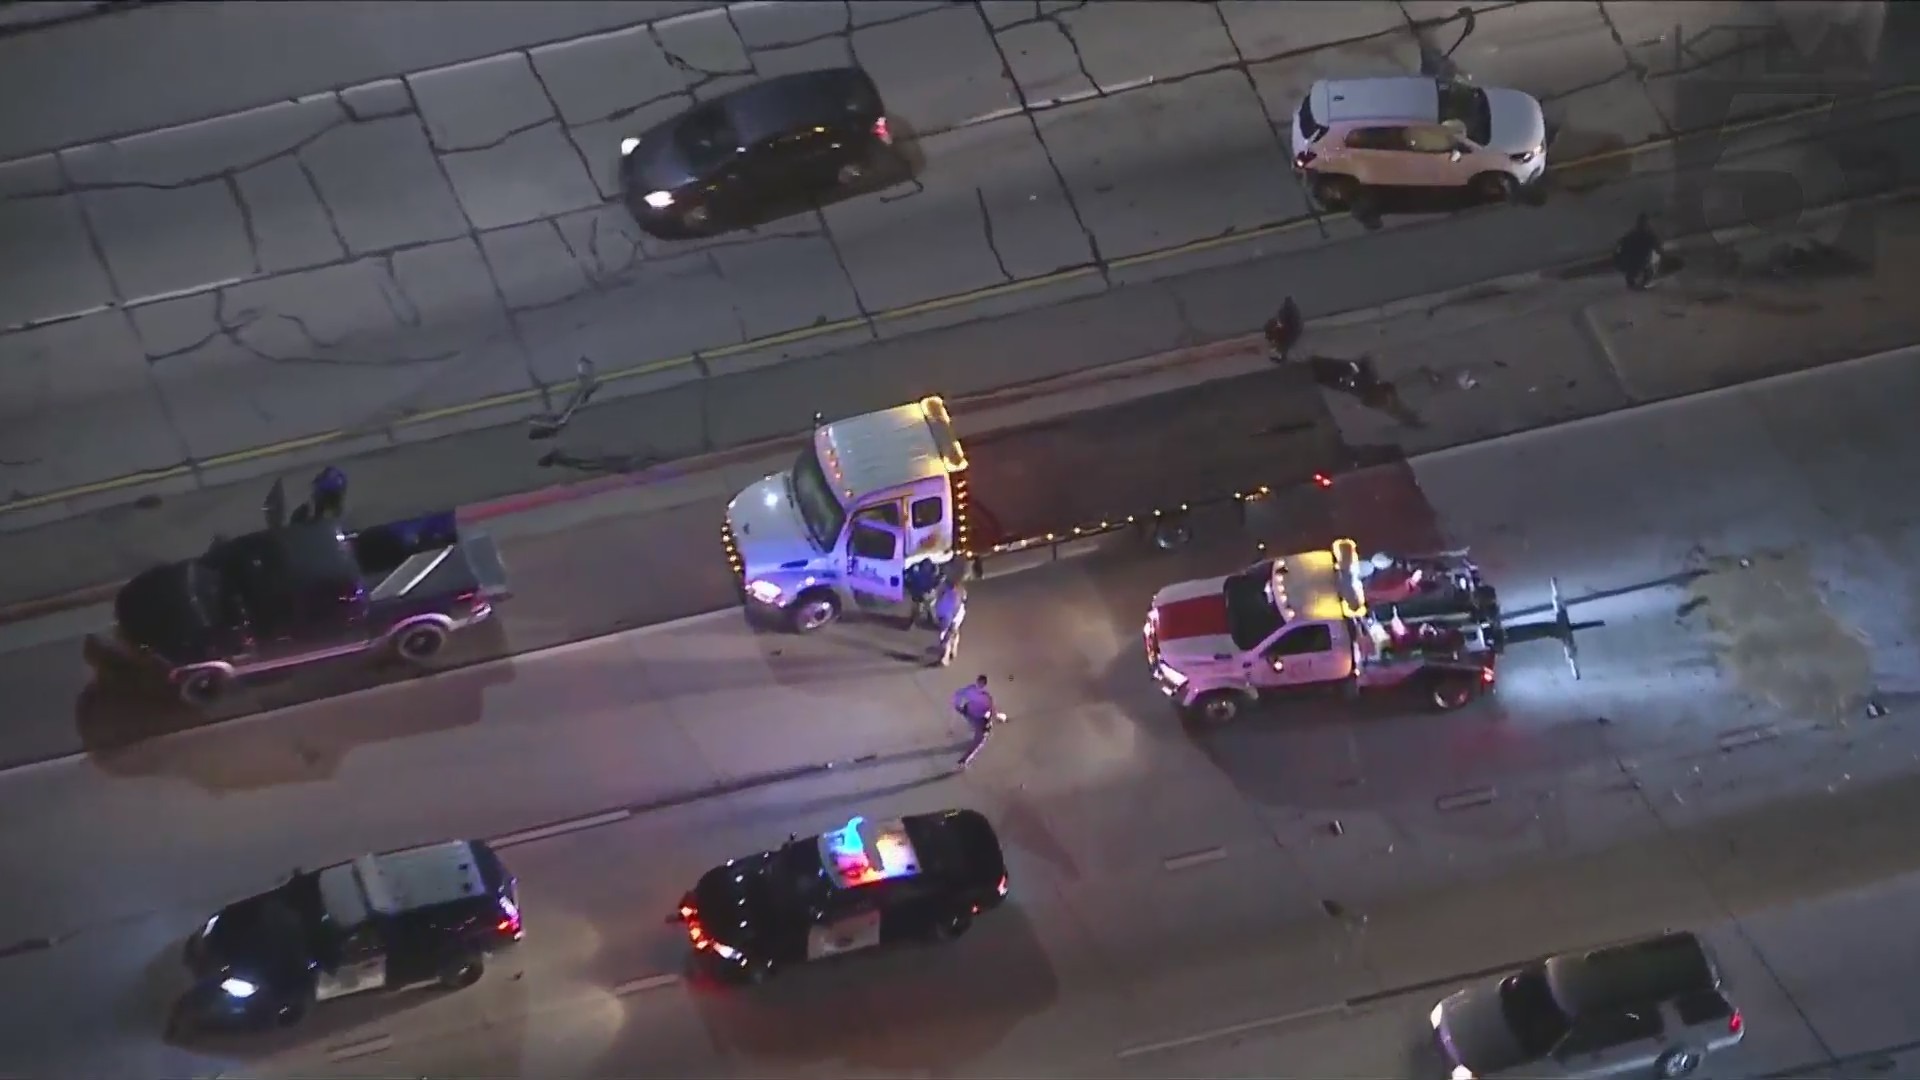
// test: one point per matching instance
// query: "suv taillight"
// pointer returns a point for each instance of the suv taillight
(1734, 1023)
(882, 132)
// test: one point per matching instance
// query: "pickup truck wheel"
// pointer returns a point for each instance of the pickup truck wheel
(201, 688)
(1450, 692)
(812, 611)
(462, 972)
(951, 927)
(1680, 1061)
(1216, 708)
(420, 643)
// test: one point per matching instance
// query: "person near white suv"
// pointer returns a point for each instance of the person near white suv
(1413, 131)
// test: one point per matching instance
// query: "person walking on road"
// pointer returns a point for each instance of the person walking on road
(1639, 254)
(975, 705)
(949, 611)
(1284, 331)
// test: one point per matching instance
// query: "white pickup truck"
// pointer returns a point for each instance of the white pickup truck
(1321, 618)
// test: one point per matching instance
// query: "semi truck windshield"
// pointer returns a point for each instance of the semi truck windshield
(819, 507)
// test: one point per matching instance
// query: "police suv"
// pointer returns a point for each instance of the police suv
(922, 877)
(378, 922)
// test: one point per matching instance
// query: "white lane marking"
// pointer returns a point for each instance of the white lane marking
(560, 828)
(363, 1048)
(1739, 737)
(1193, 858)
(1229, 1031)
(1054, 103)
(367, 692)
(1461, 800)
(644, 984)
(54, 626)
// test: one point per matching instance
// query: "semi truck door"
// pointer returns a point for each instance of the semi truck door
(876, 558)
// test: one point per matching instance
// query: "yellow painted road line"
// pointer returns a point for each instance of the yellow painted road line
(925, 307)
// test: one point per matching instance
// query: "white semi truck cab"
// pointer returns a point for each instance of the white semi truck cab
(868, 496)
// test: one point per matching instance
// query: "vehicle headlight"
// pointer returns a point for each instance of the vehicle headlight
(725, 952)
(764, 591)
(628, 146)
(238, 988)
(1172, 677)
(1434, 1016)
(1461, 1072)
(659, 200)
(211, 923)
(1525, 156)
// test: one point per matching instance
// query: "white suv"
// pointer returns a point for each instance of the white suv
(1414, 131)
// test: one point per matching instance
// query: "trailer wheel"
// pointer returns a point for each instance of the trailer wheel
(420, 643)
(814, 609)
(1216, 708)
(202, 687)
(1450, 692)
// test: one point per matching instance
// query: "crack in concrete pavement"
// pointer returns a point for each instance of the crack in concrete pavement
(993, 243)
(606, 267)
(1053, 163)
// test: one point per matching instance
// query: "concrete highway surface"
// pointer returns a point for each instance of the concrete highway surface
(1751, 585)
(372, 258)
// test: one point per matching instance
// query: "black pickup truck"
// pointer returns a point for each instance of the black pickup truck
(294, 594)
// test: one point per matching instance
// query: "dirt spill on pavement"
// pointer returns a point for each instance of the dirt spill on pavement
(1775, 633)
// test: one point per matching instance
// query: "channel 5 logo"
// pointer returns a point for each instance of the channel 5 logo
(1781, 123)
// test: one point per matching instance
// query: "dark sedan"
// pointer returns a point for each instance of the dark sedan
(767, 151)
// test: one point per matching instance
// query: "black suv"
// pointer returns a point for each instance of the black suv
(766, 151)
(378, 922)
(922, 877)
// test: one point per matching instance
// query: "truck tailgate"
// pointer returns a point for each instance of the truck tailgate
(489, 569)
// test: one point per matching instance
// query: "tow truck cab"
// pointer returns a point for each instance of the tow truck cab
(866, 497)
(425, 914)
(868, 883)
(298, 593)
(1324, 617)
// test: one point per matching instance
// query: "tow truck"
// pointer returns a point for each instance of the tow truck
(868, 883)
(872, 494)
(1323, 618)
(298, 593)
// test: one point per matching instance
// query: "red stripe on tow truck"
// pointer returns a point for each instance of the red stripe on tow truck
(1201, 616)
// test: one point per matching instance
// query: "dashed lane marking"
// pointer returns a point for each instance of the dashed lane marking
(1192, 859)
(645, 983)
(363, 1048)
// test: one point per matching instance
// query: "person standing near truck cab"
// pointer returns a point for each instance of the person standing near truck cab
(949, 611)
